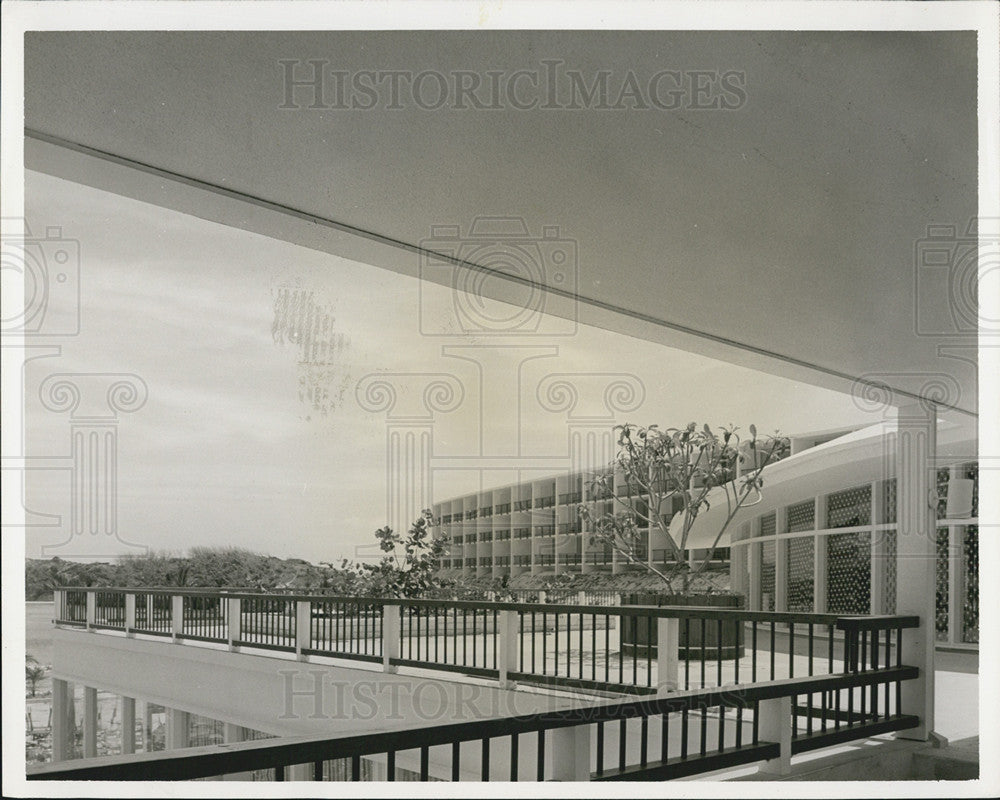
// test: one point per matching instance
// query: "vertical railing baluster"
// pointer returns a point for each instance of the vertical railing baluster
(703, 656)
(684, 732)
(772, 651)
(791, 649)
(513, 757)
(644, 741)
(540, 756)
(600, 748)
(622, 739)
(456, 761)
(486, 760)
(718, 652)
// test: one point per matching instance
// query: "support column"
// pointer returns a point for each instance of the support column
(147, 727)
(570, 753)
(916, 554)
(63, 722)
(775, 725)
(177, 729)
(819, 558)
(230, 735)
(753, 568)
(878, 551)
(780, 560)
(128, 725)
(89, 722)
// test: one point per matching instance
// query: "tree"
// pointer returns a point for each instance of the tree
(410, 565)
(33, 672)
(688, 467)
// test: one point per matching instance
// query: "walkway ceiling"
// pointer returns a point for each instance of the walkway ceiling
(785, 231)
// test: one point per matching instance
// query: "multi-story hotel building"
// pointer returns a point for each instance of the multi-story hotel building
(822, 539)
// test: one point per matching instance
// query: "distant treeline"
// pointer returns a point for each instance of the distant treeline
(203, 567)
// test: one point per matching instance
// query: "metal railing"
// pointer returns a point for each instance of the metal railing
(685, 733)
(558, 639)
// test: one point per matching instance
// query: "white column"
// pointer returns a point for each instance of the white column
(780, 560)
(391, 622)
(667, 661)
(753, 567)
(916, 554)
(177, 730)
(878, 550)
(570, 753)
(89, 722)
(775, 725)
(819, 558)
(956, 582)
(147, 727)
(63, 722)
(128, 725)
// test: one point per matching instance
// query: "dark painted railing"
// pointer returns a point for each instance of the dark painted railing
(567, 645)
(650, 739)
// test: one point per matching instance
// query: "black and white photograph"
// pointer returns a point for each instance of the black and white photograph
(561, 393)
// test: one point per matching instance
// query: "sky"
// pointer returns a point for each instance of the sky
(263, 366)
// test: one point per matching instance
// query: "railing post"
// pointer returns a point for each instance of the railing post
(581, 598)
(303, 627)
(570, 753)
(176, 616)
(58, 601)
(91, 608)
(507, 650)
(234, 627)
(667, 649)
(541, 596)
(775, 725)
(130, 617)
(391, 623)
(149, 611)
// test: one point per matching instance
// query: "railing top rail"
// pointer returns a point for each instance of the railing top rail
(842, 621)
(210, 760)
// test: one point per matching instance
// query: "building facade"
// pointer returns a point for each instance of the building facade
(822, 539)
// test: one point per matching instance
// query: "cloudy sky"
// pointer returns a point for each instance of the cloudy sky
(251, 350)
